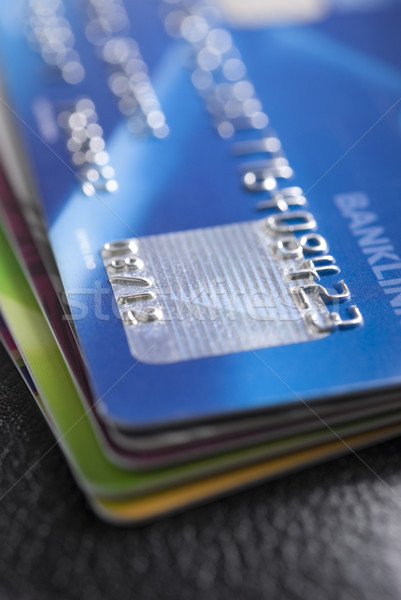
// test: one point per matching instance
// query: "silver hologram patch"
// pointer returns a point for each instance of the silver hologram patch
(210, 292)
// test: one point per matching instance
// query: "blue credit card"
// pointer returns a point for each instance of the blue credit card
(221, 191)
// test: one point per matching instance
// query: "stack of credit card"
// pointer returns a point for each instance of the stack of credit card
(200, 255)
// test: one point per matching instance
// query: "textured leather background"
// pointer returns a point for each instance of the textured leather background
(333, 531)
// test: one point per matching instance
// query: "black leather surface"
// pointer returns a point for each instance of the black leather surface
(333, 531)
